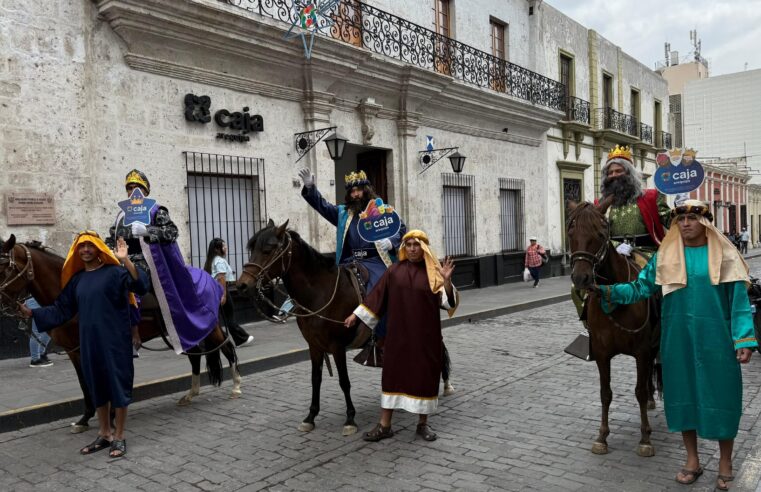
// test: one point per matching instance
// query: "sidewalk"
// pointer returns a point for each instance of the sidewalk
(32, 396)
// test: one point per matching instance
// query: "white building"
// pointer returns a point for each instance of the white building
(92, 89)
(722, 116)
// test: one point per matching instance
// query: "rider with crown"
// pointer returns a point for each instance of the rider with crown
(638, 217)
(375, 256)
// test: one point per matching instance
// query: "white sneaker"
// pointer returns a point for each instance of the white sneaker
(247, 342)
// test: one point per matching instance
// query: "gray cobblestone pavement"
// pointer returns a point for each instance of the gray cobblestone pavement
(523, 418)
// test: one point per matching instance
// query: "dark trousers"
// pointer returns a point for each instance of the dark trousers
(236, 331)
(743, 246)
(535, 273)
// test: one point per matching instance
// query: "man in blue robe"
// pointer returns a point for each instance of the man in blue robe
(375, 256)
(97, 288)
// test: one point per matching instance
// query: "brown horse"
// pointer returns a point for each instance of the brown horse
(631, 330)
(32, 269)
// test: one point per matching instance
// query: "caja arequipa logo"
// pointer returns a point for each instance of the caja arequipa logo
(378, 221)
(678, 171)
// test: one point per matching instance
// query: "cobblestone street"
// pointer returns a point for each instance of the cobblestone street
(523, 418)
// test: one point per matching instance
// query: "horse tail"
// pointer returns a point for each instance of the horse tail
(447, 365)
(214, 367)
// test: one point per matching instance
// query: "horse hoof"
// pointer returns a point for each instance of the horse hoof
(651, 405)
(646, 450)
(349, 430)
(79, 428)
(448, 390)
(235, 394)
(184, 401)
(306, 427)
(600, 448)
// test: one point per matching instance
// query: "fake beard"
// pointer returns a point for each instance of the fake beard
(357, 206)
(622, 188)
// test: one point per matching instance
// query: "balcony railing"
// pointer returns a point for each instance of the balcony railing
(368, 27)
(610, 119)
(646, 133)
(663, 140)
(576, 110)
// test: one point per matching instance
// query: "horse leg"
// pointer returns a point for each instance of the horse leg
(195, 379)
(339, 357)
(316, 355)
(642, 390)
(228, 350)
(445, 371)
(82, 424)
(600, 445)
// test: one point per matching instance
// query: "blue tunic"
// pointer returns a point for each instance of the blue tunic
(100, 298)
(702, 326)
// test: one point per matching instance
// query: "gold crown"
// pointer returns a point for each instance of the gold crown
(620, 152)
(356, 177)
(136, 201)
(134, 178)
(675, 152)
(690, 152)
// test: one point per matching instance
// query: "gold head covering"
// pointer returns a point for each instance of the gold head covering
(74, 263)
(432, 264)
(725, 264)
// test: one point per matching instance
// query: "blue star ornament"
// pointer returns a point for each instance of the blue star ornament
(313, 16)
(137, 208)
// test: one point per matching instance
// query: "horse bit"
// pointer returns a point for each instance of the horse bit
(8, 304)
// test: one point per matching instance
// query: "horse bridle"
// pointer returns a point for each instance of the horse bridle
(9, 304)
(285, 252)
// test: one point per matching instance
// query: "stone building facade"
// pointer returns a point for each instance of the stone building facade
(112, 79)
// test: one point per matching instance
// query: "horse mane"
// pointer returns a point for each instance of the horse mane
(587, 217)
(313, 259)
(34, 244)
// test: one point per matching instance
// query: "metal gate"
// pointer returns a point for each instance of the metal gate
(511, 214)
(458, 211)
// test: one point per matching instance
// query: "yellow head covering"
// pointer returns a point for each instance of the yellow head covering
(432, 264)
(725, 264)
(74, 263)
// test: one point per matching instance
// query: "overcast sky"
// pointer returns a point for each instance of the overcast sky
(730, 30)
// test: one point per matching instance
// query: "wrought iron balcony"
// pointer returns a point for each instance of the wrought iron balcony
(368, 27)
(646, 133)
(663, 140)
(576, 110)
(610, 119)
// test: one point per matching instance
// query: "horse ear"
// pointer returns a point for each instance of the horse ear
(281, 229)
(605, 203)
(271, 223)
(9, 244)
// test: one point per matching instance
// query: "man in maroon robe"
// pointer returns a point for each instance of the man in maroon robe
(410, 293)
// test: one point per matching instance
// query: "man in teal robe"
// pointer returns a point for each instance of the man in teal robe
(707, 331)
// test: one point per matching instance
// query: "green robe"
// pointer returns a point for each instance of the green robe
(702, 326)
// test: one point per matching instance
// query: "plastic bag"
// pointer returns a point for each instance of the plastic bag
(526, 275)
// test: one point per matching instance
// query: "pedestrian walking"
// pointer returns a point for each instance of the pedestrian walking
(707, 332)
(411, 294)
(744, 237)
(97, 288)
(536, 256)
(38, 342)
(217, 265)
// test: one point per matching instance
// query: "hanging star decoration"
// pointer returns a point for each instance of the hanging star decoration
(314, 16)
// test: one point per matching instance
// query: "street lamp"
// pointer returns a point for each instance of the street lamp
(458, 162)
(336, 144)
(431, 156)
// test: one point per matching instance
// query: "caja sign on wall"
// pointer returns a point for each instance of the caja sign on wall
(198, 110)
(678, 171)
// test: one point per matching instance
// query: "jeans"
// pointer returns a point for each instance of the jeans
(36, 349)
(535, 274)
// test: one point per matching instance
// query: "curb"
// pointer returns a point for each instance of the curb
(49, 412)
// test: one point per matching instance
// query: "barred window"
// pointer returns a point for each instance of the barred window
(226, 199)
(511, 214)
(458, 212)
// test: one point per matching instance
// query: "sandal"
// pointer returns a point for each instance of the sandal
(379, 432)
(726, 479)
(118, 446)
(424, 431)
(691, 475)
(99, 443)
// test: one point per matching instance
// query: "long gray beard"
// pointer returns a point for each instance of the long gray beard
(623, 188)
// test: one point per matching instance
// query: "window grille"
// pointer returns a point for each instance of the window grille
(511, 214)
(458, 212)
(226, 199)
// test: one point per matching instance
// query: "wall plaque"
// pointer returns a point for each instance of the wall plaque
(29, 208)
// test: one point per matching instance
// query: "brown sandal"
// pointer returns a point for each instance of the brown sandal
(726, 479)
(379, 432)
(424, 431)
(691, 475)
